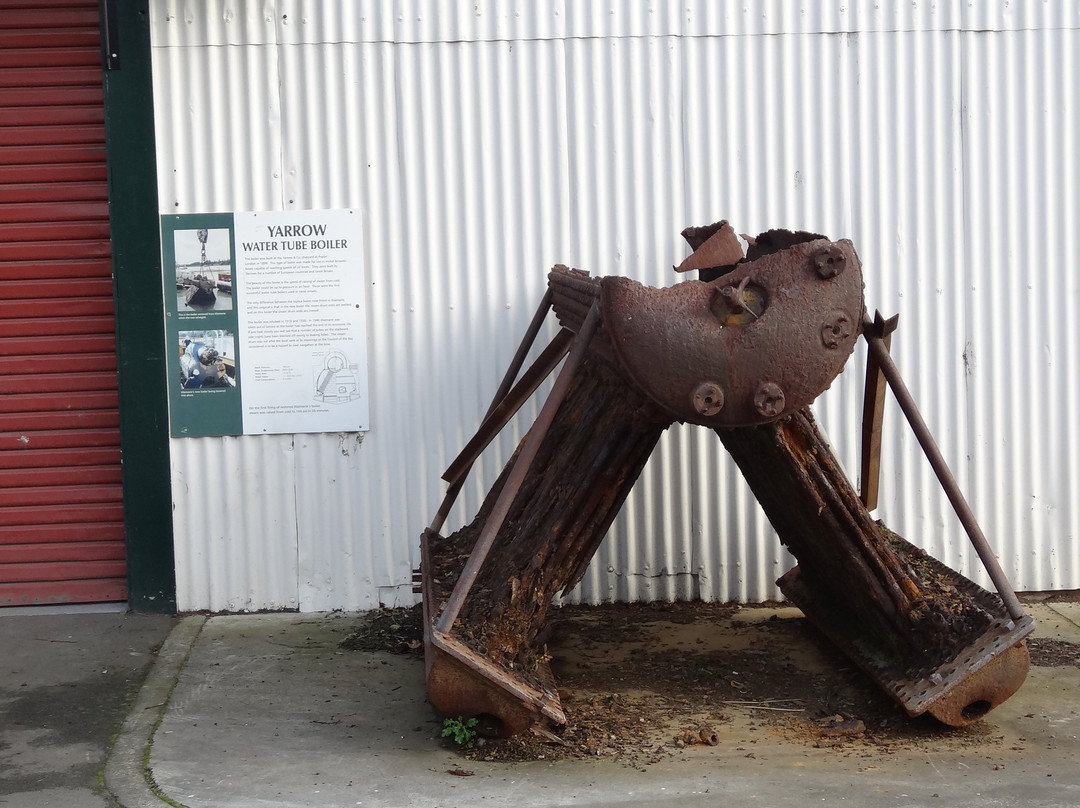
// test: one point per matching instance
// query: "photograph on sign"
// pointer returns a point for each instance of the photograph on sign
(207, 359)
(203, 265)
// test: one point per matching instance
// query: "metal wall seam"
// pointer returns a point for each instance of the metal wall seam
(198, 23)
(431, 21)
(483, 148)
(419, 22)
(218, 132)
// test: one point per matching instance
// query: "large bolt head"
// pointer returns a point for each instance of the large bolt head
(769, 399)
(836, 329)
(828, 262)
(708, 398)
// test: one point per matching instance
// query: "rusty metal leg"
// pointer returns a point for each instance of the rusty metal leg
(490, 660)
(517, 474)
(917, 628)
(959, 691)
(462, 683)
(944, 475)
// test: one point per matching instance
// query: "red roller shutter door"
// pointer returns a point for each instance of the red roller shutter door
(61, 516)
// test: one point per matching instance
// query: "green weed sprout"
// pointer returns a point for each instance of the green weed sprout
(463, 730)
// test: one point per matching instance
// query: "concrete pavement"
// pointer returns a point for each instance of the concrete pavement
(269, 711)
(67, 679)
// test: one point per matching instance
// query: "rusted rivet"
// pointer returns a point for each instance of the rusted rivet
(836, 329)
(708, 398)
(828, 262)
(769, 399)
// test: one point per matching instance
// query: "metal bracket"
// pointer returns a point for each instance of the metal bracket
(873, 411)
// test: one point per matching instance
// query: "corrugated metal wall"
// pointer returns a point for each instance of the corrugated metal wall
(485, 143)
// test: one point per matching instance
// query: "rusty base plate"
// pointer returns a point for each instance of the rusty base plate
(462, 683)
(985, 689)
(959, 692)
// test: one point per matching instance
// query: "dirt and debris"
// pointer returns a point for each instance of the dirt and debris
(1047, 653)
(399, 631)
(640, 683)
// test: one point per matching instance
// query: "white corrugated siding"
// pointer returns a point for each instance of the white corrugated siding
(485, 143)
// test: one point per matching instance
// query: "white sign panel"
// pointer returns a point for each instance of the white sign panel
(302, 333)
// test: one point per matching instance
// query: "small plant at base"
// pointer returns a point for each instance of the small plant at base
(462, 729)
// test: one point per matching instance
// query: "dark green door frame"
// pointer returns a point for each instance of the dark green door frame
(137, 284)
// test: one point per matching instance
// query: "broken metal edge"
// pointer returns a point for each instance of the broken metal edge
(1002, 635)
(984, 689)
(937, 692)
(918, 696)
(544, 703)
(461, 681)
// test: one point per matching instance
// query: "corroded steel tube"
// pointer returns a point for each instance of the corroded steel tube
(944, 474)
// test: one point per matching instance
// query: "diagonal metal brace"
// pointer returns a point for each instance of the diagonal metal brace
(517, 473)
(945, 476)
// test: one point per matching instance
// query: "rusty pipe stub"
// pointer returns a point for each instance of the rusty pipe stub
(747, 348)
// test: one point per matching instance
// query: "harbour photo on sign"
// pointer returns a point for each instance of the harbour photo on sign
(203, 270)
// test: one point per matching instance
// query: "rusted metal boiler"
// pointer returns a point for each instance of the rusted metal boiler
(742, 351)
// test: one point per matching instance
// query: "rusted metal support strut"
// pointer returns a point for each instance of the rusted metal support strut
(502, 407)
(884, 361)
(873, 414)
(518, 470)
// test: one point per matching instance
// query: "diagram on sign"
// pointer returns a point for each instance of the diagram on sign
(336, 380)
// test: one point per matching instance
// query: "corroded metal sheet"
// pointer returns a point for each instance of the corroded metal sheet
(959, 691)
(754, 345)
(462, 682)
